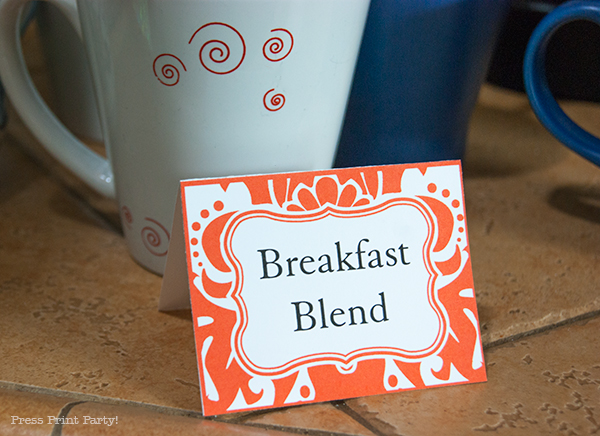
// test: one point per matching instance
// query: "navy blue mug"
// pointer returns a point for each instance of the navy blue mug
(419, 71)
(534, 75)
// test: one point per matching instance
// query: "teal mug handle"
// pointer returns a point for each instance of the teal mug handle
(542, 101)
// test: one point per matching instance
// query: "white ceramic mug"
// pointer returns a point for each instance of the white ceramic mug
(196, 88)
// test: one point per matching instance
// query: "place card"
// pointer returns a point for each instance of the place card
(324, 285)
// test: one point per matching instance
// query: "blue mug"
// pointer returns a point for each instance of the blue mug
(419, 71)
(534, 75)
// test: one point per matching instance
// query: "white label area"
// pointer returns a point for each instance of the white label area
(336, 285)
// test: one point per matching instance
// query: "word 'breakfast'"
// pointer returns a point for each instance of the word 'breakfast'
(328, 263)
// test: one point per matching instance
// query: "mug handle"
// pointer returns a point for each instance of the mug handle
(542, 101)
(46, 127)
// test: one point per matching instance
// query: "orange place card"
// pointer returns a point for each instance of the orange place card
(324, 285)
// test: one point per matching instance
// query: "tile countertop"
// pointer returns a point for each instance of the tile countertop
(81, 334)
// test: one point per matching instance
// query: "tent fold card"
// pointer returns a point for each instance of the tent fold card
(324, 285)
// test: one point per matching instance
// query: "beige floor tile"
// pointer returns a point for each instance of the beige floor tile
(320, 417)
(92, 419)
(77, 314)
(533, 217)
(25, 413)
(548, 384)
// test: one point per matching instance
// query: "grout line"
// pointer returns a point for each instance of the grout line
(255, 414)
(87, 398)
(297, 430)
(351, 413)
(544, 329)
(57, 428)
(343, 407)
(239, 420)
(100, 399)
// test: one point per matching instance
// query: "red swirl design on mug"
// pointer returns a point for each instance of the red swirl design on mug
(273, 49)
(215, 53)
(169, 73)
(127, 216)
(155, 238)
(274, 102)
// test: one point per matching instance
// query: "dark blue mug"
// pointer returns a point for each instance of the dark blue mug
(419, 71)
(534, 74)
